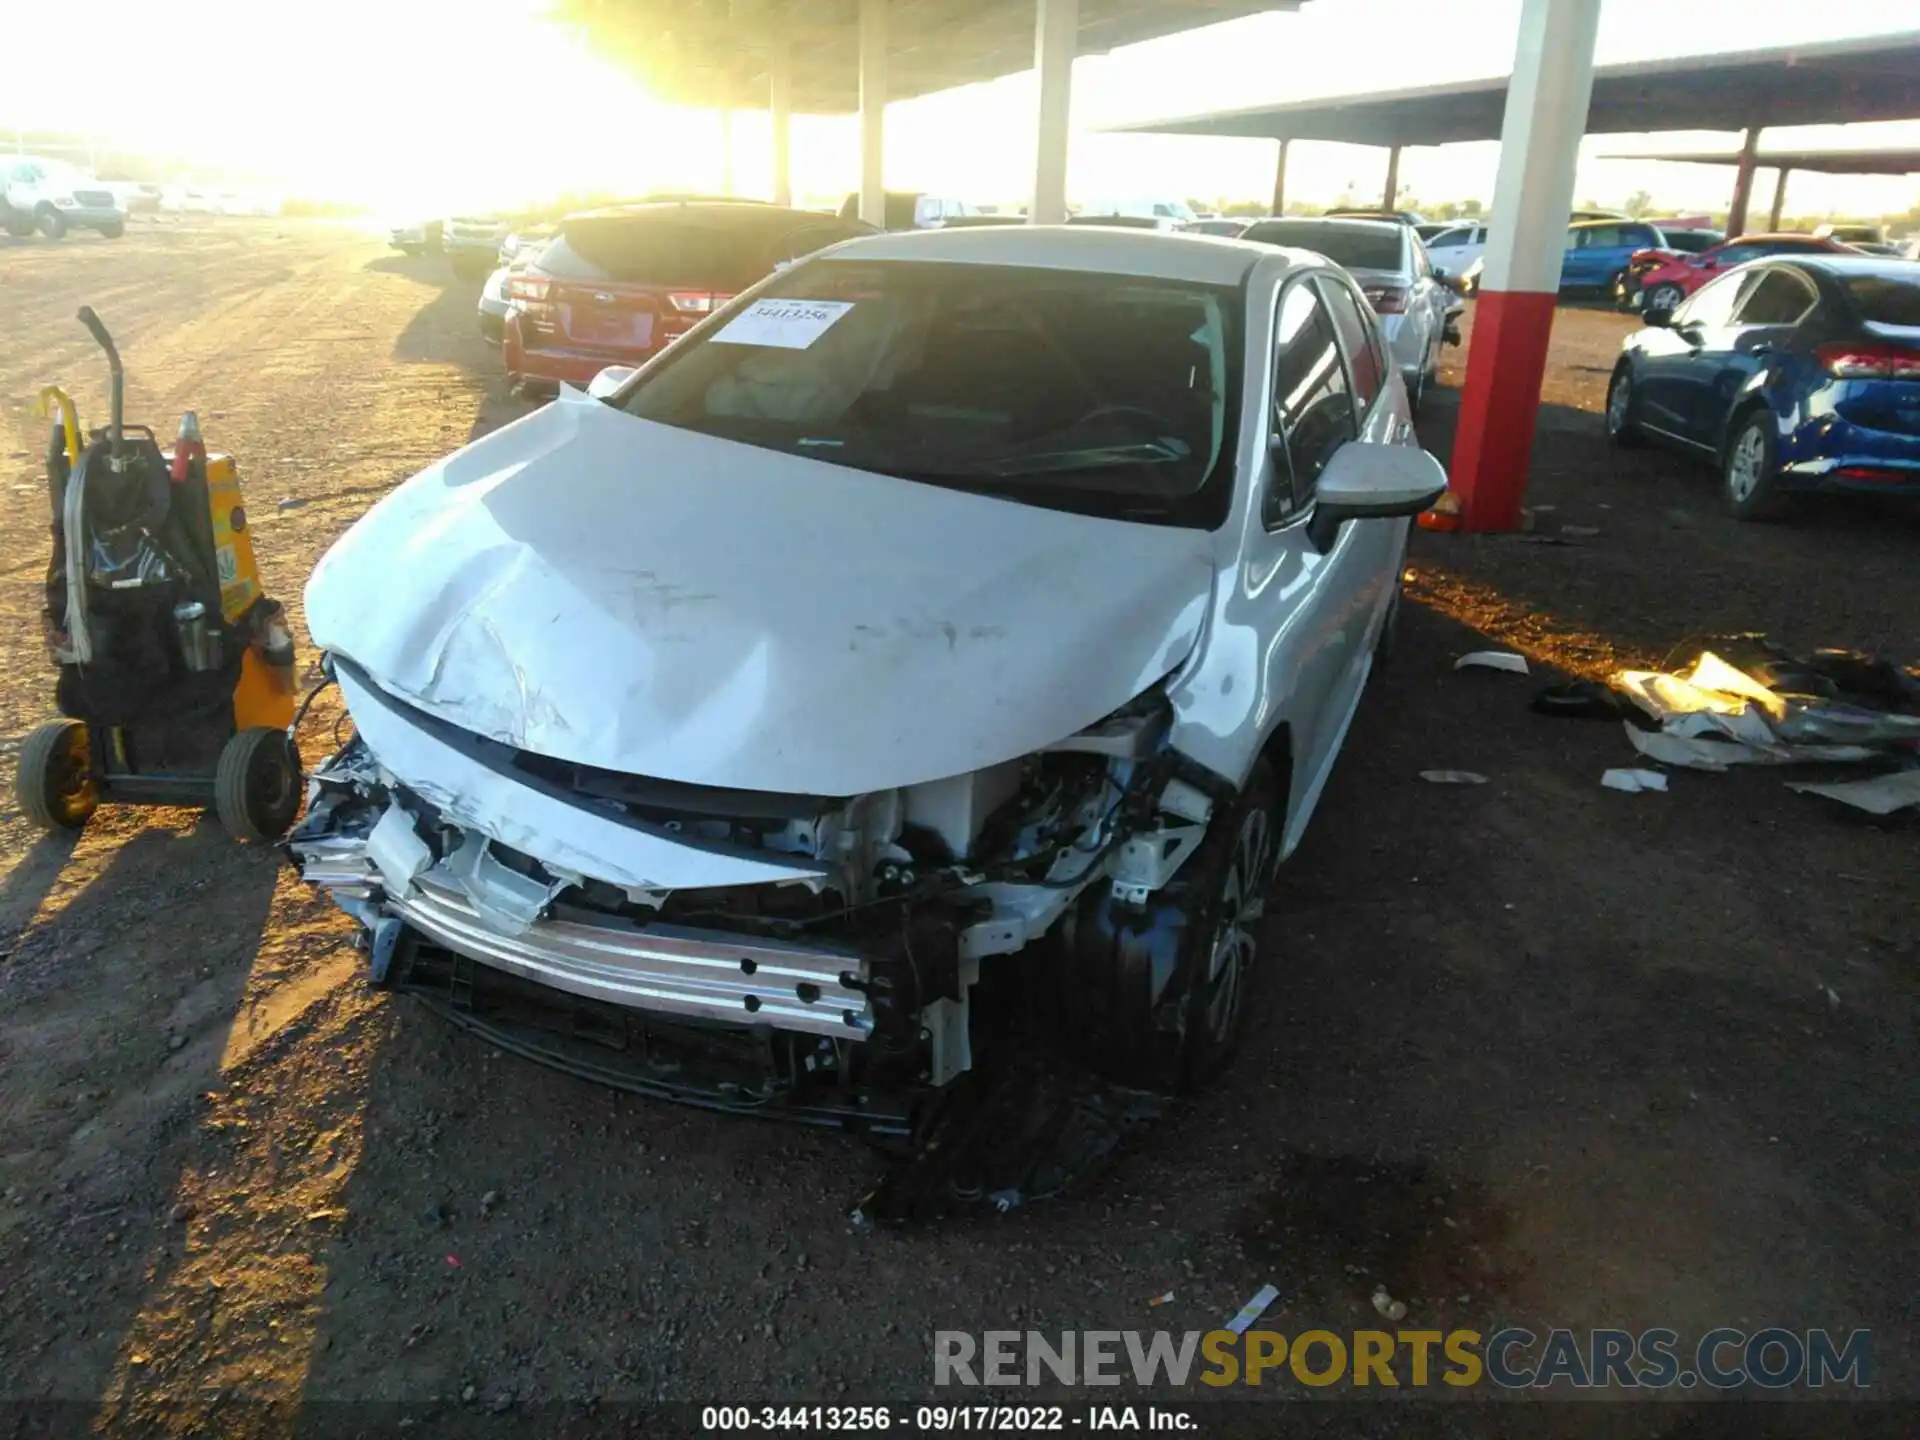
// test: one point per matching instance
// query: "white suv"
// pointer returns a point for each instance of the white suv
(53, 198)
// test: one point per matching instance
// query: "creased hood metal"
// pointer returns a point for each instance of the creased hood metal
(626, 595)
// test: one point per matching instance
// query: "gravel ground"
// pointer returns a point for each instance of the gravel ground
(1530, 1052)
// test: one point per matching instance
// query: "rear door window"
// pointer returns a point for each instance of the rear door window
(1775, 297)
(1360, 339)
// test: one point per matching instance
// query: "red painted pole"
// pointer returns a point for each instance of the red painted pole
(1526, 240)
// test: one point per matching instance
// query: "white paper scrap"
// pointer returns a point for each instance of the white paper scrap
(782, 324)
(1881, 795)
(1254, 1309)
(1634, 781)
(1493, 660)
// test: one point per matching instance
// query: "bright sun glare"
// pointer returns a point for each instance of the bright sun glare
(397, 103)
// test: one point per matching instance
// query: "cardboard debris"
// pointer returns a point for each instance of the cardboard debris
(1634, 781)
(1881, 795)
(1493, 660)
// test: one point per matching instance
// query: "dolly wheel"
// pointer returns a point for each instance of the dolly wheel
(54, 784)
(256, 789)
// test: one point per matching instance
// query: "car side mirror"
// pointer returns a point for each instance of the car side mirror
(1659, 317)
(1366, 480)
(609, 380)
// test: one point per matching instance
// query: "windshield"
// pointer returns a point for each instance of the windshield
(1104, 394)
(1358, 247)
(1886, 299)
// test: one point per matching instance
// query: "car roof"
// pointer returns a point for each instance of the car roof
(745, 212)
(1772, 235)
(1615, 220)
(1840, 265)
(1147, 254)
(1338, 222)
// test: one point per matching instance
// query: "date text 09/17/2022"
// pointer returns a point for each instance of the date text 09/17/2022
(945, 1419)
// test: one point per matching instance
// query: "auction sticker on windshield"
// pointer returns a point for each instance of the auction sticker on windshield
(783, 324)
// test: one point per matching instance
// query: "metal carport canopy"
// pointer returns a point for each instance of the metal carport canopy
(1829, 162)
(1841, 82)
(717, 52)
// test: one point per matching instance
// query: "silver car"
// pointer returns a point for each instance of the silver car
(1390, 261)
(953, 616)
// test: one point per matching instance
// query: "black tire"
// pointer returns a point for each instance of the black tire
(54, 784)
(1623, 408)
(52, 224)
(1749, 472)
(1416, 392)
(256, 787)
(115, 230)
(1664, 296)
(1156, 1000)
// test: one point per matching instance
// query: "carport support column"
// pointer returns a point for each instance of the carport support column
(780, 107)
(1743, 184)
(1526, 238)
(1056, 37)
(1280, 180)
(1393, 178)
(1779, 198)
(873, 111)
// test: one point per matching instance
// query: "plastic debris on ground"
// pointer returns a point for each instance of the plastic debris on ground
(1633, 782)
(1159, 1300)
(1881, 795)
(1261, 1302)
(1389, 1307)
(1452, 777)
(1745, 701)
(1493, 660)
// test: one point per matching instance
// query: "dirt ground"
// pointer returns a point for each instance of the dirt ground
(1532, 1052)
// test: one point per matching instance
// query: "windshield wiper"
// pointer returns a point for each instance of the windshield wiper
(1104, 457)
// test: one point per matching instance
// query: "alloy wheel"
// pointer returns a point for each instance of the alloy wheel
(1242, 904)
(1746, 463)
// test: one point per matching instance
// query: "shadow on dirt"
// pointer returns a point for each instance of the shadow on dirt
(120, 1005)
(427, 269)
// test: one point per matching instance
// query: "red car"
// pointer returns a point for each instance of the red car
(616, 286)
(1669, 279)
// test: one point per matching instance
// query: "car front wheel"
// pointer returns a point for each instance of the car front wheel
(1749, 475)
(53, 224)
(1664, 296)
(1155, 997)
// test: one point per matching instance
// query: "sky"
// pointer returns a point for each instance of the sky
(426, 104)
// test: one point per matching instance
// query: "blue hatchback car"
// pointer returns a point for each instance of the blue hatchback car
(1795, 373)
(1599, 252)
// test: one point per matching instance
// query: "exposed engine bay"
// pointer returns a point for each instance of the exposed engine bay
(825, 958)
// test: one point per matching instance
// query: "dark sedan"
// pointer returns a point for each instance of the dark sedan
(1791, 374)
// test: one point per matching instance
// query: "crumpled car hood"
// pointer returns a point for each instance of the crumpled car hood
(630, 596)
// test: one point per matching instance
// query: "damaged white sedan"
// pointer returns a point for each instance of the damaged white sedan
(945, 640)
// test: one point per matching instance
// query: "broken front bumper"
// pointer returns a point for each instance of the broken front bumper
(696, 974)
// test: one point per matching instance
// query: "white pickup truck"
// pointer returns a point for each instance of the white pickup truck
(53, 197)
